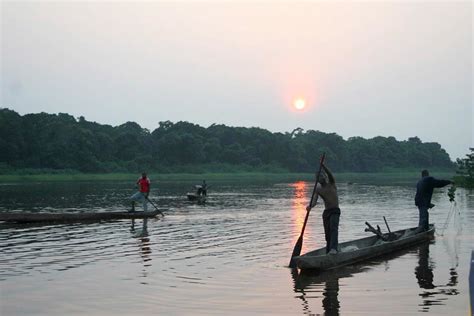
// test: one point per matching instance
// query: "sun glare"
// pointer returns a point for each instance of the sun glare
(299, 103)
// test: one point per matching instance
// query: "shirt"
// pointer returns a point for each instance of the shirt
(424, 190)
(144, 184)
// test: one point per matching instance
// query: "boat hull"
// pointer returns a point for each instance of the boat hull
(195, 197)
(71, 217)
(361, 249)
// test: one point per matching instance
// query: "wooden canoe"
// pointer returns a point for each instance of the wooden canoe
(195, 197)
(361, 249)
(23, 217)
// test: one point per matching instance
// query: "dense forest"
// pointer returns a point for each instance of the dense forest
(465, 172)
(62, 142)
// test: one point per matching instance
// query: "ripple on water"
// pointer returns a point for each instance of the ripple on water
(229, 256)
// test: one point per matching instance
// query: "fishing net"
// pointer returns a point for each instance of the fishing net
(454, 214)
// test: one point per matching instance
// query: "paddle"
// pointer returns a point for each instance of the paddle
(299, 243)
(146, 197)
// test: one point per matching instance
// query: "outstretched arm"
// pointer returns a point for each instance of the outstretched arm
(440, 183)
(329, 174)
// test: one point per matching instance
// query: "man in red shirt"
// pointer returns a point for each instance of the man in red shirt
(143, 191)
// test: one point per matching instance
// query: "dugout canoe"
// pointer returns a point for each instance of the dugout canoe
(23, 217)
(196, 197)
(362, 249)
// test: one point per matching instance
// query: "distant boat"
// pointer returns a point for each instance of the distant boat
(24, 217)
(200, 195)
(196, 197)
(362, 249)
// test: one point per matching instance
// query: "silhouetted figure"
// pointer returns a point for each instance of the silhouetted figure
(202, 189)
(424, 192)
(328, 192)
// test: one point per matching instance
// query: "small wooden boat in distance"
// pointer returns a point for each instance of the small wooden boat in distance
(24, 217)
(361, 249)
(196, 197)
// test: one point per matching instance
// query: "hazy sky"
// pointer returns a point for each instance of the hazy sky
(401, 68)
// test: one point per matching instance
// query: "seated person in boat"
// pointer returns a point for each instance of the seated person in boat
(202, 189)
(327, 190)
(143, 184)
(424, 192)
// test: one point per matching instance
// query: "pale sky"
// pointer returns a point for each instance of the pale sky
(374, 68)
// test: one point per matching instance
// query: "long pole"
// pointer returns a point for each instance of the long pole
(386, 224)
(146, 197)
(299, 242)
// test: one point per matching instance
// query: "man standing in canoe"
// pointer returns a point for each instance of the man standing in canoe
(143, 191)
(424, 191)
(327, 190)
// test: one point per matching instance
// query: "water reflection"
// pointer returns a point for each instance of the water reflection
(330, 300)
(145, 253)
(298, 206)
(433, 294)
(424, 270)
(214, 256)
(325, 287)
(144, 246)
(140, 233)
(144, 240)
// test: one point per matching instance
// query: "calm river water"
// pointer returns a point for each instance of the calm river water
(227, 257)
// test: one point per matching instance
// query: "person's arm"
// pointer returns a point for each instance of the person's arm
(315, 198)
(440, 183)
(329, 174)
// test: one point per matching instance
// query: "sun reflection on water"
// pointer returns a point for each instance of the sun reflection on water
(298, 210)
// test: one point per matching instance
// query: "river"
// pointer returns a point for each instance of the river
(228, 256)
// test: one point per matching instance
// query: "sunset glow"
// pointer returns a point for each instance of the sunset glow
(299, 103)
(299, 202)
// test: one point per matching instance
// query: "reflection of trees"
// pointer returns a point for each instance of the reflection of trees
(432, 294)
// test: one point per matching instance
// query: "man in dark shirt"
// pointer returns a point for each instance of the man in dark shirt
(424, 192)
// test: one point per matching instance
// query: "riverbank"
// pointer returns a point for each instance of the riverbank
(392, 177)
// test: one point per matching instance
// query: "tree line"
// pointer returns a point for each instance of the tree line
(465, 170)
(62, 142)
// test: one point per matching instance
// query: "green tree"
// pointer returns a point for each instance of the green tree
(59, 141)
(466, 170)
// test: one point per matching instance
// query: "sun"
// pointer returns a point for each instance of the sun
(299, 103)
